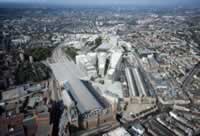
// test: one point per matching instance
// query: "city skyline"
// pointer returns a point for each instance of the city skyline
(110, 2)
(100, 68)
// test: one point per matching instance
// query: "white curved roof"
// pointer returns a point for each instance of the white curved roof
(85, 100)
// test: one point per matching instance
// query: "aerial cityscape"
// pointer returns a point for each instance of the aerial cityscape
(99, 69)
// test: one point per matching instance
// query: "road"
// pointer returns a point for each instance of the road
(59, 56)
(188, 79)
(17, 98)
(189, 76)
(55, 91)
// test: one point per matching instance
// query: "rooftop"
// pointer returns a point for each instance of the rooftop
(85, 100)
(117, 132)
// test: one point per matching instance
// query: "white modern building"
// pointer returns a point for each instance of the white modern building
(102, 63)
(115, 61)
(86, 65)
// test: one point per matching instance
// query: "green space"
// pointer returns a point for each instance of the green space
(71, 52)
(40, 53)
(98, 42)
(33, 72)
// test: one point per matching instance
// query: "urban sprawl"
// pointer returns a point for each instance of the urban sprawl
(99, 71)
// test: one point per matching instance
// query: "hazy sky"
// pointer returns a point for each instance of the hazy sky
(105, 2)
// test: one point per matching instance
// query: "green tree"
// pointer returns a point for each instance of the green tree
(71, 52)
(32, 72)
(98, 41)
(40, 53)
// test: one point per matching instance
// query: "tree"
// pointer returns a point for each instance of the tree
(71, 52)
(32, 72)
(40, 53)
(98, 41)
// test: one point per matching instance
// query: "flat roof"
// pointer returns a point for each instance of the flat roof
(85, 100)
(104, 46)
(115, 59)
(117, 132)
